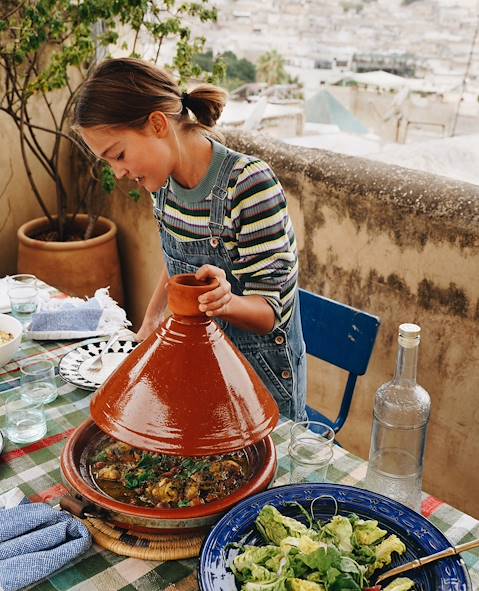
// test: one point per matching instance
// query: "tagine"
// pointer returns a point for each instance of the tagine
(180, 431)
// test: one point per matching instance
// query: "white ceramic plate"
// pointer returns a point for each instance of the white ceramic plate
(74, 366)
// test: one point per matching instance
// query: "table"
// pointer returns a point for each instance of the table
(34, 468)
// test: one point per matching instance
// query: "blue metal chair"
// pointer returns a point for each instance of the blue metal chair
(340, 335)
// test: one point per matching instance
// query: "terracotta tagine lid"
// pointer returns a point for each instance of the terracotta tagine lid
(186, 390)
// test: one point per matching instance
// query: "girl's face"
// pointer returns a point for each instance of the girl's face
(139, 155)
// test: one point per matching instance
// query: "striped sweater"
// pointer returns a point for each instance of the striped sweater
(258, 233)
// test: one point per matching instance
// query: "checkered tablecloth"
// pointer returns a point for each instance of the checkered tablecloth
(34, 468)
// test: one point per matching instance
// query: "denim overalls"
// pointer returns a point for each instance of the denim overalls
(279, 357)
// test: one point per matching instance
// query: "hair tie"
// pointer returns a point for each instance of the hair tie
(185, 97)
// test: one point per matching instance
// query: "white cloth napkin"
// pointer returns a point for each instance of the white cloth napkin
(75, 318)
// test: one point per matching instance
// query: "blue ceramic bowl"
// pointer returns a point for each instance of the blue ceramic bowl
(419, 535)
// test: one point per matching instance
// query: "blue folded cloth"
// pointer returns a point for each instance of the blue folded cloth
(68, 317)
(35, 541)
(75, 318)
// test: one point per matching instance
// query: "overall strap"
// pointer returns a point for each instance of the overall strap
(160, 200)
(219, 194)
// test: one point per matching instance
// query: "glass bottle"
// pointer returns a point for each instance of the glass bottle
(401, 414)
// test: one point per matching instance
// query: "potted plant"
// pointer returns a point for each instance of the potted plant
(46, 49)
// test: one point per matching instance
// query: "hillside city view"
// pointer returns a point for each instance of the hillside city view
(360, 77)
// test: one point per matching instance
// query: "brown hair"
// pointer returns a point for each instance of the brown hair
(123, 92)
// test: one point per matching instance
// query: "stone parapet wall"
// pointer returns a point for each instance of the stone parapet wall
(403, 245)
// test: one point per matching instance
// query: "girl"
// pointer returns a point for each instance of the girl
(221, 214)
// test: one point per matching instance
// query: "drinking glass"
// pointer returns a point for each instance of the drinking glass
(37, 380)
(23, 294)
(25, 420)
(310, 451)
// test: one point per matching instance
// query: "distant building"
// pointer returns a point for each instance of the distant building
(401, 64)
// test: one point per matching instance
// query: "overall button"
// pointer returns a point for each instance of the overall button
(214, 242)
(285, 374)
(279, 340)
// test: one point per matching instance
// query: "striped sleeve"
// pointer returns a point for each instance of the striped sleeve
(267, 262)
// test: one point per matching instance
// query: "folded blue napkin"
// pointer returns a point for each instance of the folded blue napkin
(68, 317)
(35, 541)
(75, 318)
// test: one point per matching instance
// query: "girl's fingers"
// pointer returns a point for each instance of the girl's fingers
(214, 294)
(206, 271)
(217, 298)
(214, 302)
(217, 305)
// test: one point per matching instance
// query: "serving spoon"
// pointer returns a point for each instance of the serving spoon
(427, 559)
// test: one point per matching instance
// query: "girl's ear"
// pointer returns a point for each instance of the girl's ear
(159, 123)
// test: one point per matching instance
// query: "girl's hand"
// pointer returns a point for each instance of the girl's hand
(214, 302)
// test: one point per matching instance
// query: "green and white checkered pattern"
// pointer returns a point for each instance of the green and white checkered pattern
(34, 468)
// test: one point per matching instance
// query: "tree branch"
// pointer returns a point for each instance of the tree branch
(13, 11)
(5, 218)
(37, 150)
(47, 102)
(135, 40)
(24, 154)
(40, 155)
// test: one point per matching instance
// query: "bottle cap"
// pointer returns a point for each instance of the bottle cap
(410, 331)
(409, 335)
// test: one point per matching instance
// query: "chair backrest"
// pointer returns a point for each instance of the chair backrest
(340, 335)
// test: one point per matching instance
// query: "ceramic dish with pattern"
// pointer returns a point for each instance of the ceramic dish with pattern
(420, 536)
(74, 366)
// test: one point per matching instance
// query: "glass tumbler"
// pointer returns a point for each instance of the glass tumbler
(37, 380)
(310, 451)
(25, 420)
(23, 295)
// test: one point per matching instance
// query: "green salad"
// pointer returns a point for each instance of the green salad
(339, 555)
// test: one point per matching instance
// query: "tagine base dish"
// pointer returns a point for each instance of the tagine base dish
(80, 485)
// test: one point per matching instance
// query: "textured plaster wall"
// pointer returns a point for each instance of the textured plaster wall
(140, 250)
(17, 201)
(403, 245)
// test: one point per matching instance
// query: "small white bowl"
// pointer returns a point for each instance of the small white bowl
(14, 327)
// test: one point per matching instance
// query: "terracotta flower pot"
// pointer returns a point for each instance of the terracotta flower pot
(77, 268)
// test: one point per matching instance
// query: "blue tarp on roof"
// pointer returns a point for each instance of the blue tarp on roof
(323, 107)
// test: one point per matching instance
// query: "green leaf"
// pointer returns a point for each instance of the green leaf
(321, 559)
(148, 461)
(134, 194)
(108, 180)
(101, 457)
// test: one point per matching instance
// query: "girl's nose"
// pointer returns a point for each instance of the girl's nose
(120, 171)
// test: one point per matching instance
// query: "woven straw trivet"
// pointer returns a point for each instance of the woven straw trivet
(142, 545)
